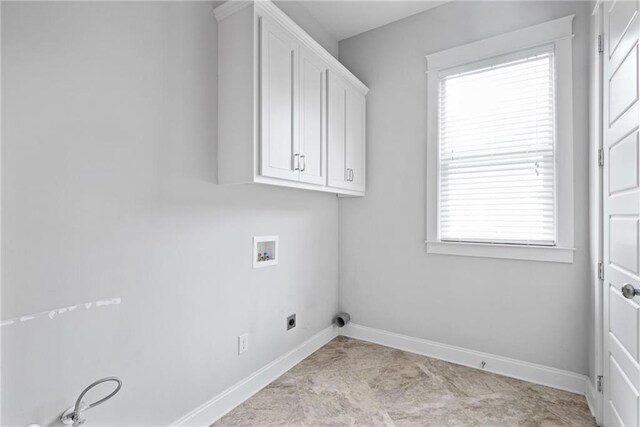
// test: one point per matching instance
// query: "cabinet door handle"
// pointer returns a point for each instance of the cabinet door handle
(296, 162)
(304, 163)
(351, 175)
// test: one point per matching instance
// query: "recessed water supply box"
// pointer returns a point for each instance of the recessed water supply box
(265, 251)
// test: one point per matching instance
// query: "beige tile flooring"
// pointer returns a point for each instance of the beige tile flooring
(355, 383)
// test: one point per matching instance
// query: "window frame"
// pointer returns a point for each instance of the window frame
(557, 33)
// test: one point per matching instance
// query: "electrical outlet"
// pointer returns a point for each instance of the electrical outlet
(291, 321)
(243, 343)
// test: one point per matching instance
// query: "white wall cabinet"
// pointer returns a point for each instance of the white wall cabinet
(289, 113)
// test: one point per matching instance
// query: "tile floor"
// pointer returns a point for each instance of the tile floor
(350, 382)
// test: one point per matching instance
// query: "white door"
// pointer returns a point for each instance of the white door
(355, 140)
(621, 215)
(336, 131)
(313, 136)
(279, 99)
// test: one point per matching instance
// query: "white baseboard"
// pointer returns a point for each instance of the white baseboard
(539, 374)
(594, 400)
(219, 405)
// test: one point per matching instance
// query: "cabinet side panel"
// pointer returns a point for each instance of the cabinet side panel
(236, 98)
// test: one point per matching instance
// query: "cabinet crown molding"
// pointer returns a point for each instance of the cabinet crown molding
(267, 7)
(229, 8)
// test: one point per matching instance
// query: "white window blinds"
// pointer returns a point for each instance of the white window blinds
(497, 152)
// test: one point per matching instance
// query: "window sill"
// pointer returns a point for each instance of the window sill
(489, 250)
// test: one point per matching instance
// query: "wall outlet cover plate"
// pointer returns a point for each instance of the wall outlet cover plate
(291, 321)
(243, 343)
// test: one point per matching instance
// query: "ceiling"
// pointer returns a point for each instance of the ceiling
(347, 18)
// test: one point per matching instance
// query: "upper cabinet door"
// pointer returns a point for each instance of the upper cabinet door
(355, 140)
(279, 52)
(346, 135)
(313, 72)
(336, 131)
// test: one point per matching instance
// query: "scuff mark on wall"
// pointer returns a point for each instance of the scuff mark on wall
(51, 314)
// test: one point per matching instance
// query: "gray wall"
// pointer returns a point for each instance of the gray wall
(109, 190)
(530, 311)
(303, 18)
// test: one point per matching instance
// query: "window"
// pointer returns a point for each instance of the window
(500, 143)
(496, 149)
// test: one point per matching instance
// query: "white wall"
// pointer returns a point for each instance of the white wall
(531, 311)
(109, 190)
